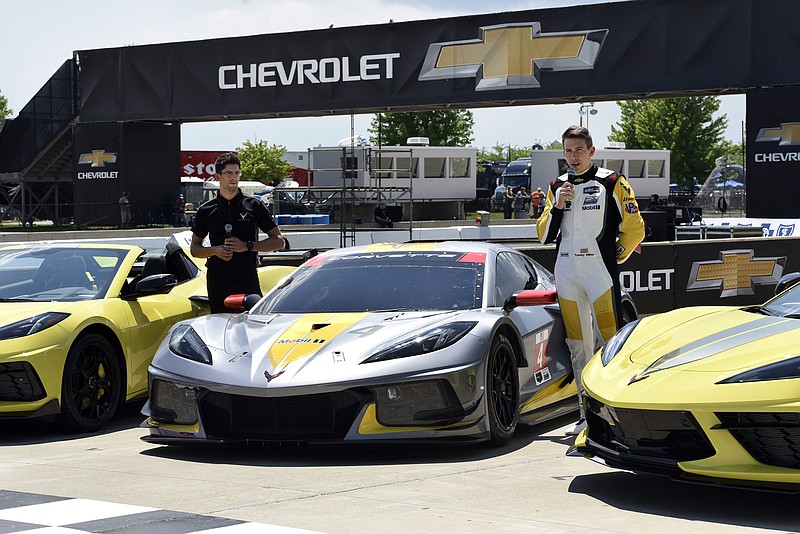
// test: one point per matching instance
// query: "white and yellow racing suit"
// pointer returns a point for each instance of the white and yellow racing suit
(600, 229)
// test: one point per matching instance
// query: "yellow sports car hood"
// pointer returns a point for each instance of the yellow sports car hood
(711, 340)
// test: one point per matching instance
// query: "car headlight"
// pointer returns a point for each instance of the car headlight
(428, 341)
(775, 371)
(31, 325)
(186, 343)
(616, 342)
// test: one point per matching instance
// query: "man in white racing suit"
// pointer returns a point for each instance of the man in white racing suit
(592, 215)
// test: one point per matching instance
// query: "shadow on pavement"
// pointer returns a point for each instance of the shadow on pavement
(16, 432)
(661, 496)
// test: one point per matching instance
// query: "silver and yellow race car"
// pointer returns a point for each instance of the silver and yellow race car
(703, 394)
(454, 341)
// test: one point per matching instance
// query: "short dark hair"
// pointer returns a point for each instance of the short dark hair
(577, 132)
(228, 158)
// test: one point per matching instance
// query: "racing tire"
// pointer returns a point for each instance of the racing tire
(91, 387)
(502, 391)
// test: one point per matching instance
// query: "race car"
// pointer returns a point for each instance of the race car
(81, 322)
(702, 394)
(456, 341)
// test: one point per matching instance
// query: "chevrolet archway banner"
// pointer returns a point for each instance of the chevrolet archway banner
(600, 52)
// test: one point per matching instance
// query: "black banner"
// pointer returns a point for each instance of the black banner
(773, 152)
(144, 166)
(598, 52)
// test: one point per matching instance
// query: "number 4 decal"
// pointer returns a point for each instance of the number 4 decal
(540, 360)
(541, 373)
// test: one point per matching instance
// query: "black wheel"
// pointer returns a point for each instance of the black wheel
(502, 391)
(91, 388)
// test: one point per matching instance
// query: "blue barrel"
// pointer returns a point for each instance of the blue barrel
(294, 219)
(320, 219)
(306, 219)
(283, 219)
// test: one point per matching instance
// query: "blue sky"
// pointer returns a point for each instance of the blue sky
(34, 46)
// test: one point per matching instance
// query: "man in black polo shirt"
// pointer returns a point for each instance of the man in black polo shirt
(231, 221)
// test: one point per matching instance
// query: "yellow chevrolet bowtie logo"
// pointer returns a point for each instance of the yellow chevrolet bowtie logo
(735, 273)
(98, 158)
(511, 56)
(787, 134)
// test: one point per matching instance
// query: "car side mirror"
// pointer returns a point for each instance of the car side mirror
(241, 302)
(786, 282)
(156, 283)
(530, 297)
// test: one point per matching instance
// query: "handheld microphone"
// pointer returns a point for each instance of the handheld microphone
(228, 230)
(570, 179)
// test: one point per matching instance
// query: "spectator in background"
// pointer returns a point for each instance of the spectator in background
(508, 202)
(180, 211)
(382, 216)
(537, 202)
(521, 200)
(124, 210)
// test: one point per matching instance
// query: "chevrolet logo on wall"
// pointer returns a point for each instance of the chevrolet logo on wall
(97, 158)
(512, 56)
(735, 273)
(787, 134)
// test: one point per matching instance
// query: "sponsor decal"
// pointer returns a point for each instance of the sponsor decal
(512, 56)
(592, 190)
(303, 340)
(620, 250)
(737, 272)
(589, 208)
(97, 159)
(590, 200)
(302, 71)
(785, 230)
(631, 207)
(271, 377)
(653, 280)
(787, 134)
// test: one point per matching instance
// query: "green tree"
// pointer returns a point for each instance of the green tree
(503, 153)
(511, 152)
(452, 127)
(263, 163)
(684, 126)
(4, 111)
(734, 151)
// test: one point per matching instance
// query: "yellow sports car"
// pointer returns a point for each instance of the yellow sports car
(704, 394)
(81, 322)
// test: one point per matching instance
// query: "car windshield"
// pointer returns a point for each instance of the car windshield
(787, 304)
(57, 274)
(392, 281)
